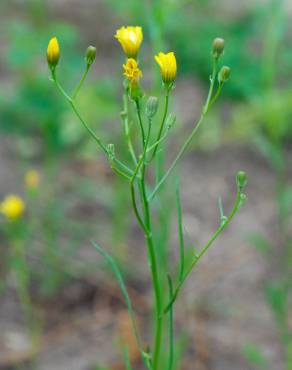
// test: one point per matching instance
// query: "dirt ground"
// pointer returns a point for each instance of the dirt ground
(222, 305)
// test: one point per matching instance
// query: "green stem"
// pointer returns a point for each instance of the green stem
(151, 250)
(79, 86)
(150, 148)
(125, 172)
(137, 103)
(216, 95)
(205, 249)
(155, 278)
(171, 329)
(125, 118)
(192, 134)
(162, 122)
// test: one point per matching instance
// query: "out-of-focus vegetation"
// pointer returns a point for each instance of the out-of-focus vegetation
(46, 135)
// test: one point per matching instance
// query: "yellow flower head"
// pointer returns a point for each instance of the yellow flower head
(132, 71)
(12, 207)
(32, 179)
(167, 64)
(53, 53)
(130, 38)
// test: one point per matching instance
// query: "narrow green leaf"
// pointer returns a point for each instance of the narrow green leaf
(122, 285)
(181, 233)
(171, 330)
(127, 358)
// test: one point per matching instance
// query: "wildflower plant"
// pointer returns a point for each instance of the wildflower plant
(144, 152)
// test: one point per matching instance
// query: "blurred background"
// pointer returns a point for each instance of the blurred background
(60, 307)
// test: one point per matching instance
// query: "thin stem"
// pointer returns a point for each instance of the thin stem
(162, 122)
(137, 103)
(157, 142)
(132, 181)
(216, 95)
(150, 248)
(136, 210)
(125, 118)
(125, 172)
(72, 104)
(89, 130)
(205, 249)
(155, 279)
(192, 134)
(79, 86)
(171, 328)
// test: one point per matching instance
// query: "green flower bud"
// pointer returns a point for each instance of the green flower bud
(218, 47)
(241, 180)
(111, 151)
(170, 121)
(151, 107)
(90, 55)
(224, 74)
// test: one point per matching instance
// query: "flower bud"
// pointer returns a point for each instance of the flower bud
(224, 74)
(53, 53)
(168, 67)
(218, 47)
(241, 180)
(111, 151)
(151, 107)
(170, 121)
(90, 55)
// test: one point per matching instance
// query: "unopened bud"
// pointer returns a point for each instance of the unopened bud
(53, 53)
(151, 107)
(170, 121)
(218, 47)
(90, 55)
(241, 180)
(111, 151)
(224, 74)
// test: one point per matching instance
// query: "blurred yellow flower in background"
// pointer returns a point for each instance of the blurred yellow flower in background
(32, 179)
(130, 38)
(53, 52)
(167, 64)
(12, 207)
(132, 70)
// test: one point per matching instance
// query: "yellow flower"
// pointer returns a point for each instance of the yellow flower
(130, 38)
(167, 64)
(132, 71)
(12, 207)
(53, 53)
(32, 179)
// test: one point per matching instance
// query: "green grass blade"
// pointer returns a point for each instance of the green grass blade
(114, 267)
(127, 359)
(181, 233)
(171, 331)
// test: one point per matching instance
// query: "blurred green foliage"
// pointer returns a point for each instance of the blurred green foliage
(256, 39)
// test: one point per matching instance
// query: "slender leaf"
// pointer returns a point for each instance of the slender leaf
(171, 331)
(122, 285)
(181, 233)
